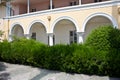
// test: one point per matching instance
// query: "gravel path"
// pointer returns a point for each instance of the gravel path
(21, 72)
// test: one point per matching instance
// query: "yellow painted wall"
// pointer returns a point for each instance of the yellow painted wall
(79, 16)
(2, 11)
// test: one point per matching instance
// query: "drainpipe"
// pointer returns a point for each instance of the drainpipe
(8, 28)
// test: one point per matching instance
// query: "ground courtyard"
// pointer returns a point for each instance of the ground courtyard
(21, 72)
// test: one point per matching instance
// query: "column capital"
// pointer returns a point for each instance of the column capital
(80, 37)
(26, 34)
(80, 33)
(50, 34)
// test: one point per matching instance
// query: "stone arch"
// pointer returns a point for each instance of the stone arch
(64, 29)
(112, 19)
(13, 25)
(36, 21)
(95, 20)
(38, 31)
(16, 30)
(62, 18)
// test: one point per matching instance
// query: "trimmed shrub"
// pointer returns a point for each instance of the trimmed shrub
(75, 58)
(104, 38)
(0, 50)
(5, 51)
(20, 51)
(107, 38)
(52, 57)
(113, 60)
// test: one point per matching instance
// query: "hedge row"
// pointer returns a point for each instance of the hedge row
(69, 58)
(75, 58)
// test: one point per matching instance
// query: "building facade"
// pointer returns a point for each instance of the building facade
(57, 21)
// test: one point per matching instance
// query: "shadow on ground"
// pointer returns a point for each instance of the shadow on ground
(43, 73)
(114, 79)
(3, 74)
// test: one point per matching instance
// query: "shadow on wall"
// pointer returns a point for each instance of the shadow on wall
(3, 74)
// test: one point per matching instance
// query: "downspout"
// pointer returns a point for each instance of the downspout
(8, 28)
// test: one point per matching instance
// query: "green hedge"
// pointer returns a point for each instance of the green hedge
(104, 38)
(75, 58)
(107, 38)
(20, 51)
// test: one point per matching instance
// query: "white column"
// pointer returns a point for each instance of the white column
(27, 36)
(80, 2)
(10, 38)
(51, 3)
(28, 6)
(80, 37)
(50, 35)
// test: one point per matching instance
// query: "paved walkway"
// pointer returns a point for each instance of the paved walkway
(20, 72)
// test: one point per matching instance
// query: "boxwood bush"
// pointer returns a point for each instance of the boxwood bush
(104, 38)
(20, 51)
(99, 55)
(107, 38)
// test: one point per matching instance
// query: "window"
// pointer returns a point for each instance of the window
(73, 3)
(34, 10)
(73, 37)
(97, 0)
(33, 36)
(70, 3)
(52, 7)
(53, 39)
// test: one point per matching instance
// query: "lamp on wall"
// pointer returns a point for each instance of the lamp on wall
(49, 18)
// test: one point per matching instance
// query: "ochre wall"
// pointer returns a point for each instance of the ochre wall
(2, 11)
(79, 16)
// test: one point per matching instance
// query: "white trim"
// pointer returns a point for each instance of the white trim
(13, 25)
(62, 18)
(112, 19)
(35, 21)
(70, 8)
